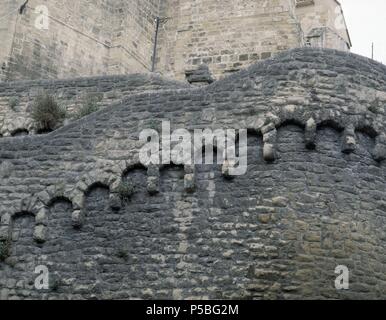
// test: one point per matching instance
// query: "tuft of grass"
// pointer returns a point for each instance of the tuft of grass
(125, 190)
(47, 113)
(89, 106)
(5, 250)
(13, 103)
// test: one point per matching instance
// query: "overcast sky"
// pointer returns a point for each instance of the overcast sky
(367, 23)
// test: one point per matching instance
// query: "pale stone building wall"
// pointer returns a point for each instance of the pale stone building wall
(323, 24)
(7, 26)
(84, 38)
(73, 44)
(133, 38)
(227, 35)
(102, 37)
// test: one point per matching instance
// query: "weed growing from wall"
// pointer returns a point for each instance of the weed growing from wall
(47, 113)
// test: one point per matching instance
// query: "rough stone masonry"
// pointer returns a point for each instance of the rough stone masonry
(313, 197)
(99, 37)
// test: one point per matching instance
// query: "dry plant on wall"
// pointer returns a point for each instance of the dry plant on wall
(47, 113)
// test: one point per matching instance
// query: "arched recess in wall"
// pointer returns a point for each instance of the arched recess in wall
(366, 137)
(22, 235)
(95, 186)
(20, 132)
(135, 177)
(96, 199)
(290, 139)
(329, 137)
(43, 131)
(332, 124)
(58, 221)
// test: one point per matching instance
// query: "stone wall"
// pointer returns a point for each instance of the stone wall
(134, 37)
(84, 38)
(7, 26)
(226, 35)
(324, 20)
(312, 199)
(74, 44)
(87, 38)
(17, 98)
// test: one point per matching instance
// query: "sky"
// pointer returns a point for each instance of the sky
(366, 23)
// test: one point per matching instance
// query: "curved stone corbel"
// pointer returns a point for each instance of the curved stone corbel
(310, 134)
(40, 233)
(153, 175)
(77, 218)
(115, 200)
(6, 219)
(269, 139)
(189, 178)
(41, 217)
(226, 168)
(78, 199)
(349, 140)
(41, 225)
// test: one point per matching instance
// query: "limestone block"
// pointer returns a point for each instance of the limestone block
(226, 168)
(153, 184)
(6, 219)
(189, 182)
(41, 217)
(153, 179)
(310, 134)
(349, 140)
(40, 233)
(268, 128)
(77, 219)
(269, 152)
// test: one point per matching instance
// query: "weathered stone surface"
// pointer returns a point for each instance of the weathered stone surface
(277, 232)
(71, 94)
(189, 182)
(41, 217)
(40, 233)
(77, 219)
(269, 152)
(200, 76)
(115, 202)
(118, 37)
(310, 133)
(153, 184)
(4, 233)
